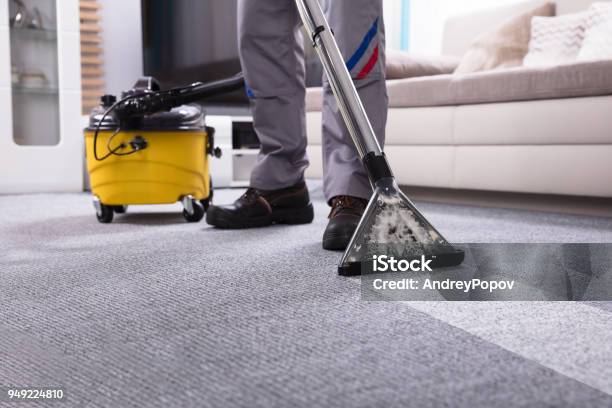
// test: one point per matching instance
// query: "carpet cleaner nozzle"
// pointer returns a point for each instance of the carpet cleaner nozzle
(392, 226)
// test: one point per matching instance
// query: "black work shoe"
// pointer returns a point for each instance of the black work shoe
(258, 208)
(343, 220)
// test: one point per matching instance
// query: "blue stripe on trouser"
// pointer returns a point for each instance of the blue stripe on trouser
(352, 63)
(249, 92)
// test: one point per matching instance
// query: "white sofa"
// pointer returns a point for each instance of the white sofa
(553, 141)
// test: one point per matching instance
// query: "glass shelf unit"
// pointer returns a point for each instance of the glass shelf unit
(35, 90)
(35, 33)
(34, 72)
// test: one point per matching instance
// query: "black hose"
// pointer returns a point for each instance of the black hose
(99, 125)
(148, 103)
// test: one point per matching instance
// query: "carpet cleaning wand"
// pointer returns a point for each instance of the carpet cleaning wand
(391, 224)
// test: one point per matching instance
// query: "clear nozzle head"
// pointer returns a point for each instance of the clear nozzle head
(392, 226)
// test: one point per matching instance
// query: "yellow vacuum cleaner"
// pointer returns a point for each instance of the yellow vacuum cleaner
(153, 147)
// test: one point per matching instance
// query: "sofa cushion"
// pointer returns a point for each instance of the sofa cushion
(432, 91)
(411, 92)
(402, 65)
(545, 122)
(514, 84)
(504, 47)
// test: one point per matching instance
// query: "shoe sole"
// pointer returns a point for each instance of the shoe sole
(222, 220)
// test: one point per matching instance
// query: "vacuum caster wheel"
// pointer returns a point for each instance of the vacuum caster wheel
(105, 214)
(193, 209)
(120, 209)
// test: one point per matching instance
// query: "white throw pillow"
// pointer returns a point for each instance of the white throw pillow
(597, 43)
(555, 40)
(599, 13)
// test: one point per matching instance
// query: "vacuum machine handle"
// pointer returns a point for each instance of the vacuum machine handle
(199, 90)
(149, 101)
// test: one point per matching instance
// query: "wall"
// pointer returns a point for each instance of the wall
(122, 34)
(393, 23)
(429, 16)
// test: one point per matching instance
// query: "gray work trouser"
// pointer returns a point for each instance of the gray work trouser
(272, 57)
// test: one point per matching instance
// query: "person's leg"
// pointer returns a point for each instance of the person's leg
(272, 58)
(359, 30)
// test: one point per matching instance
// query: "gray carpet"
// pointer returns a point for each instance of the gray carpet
(153, 312)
